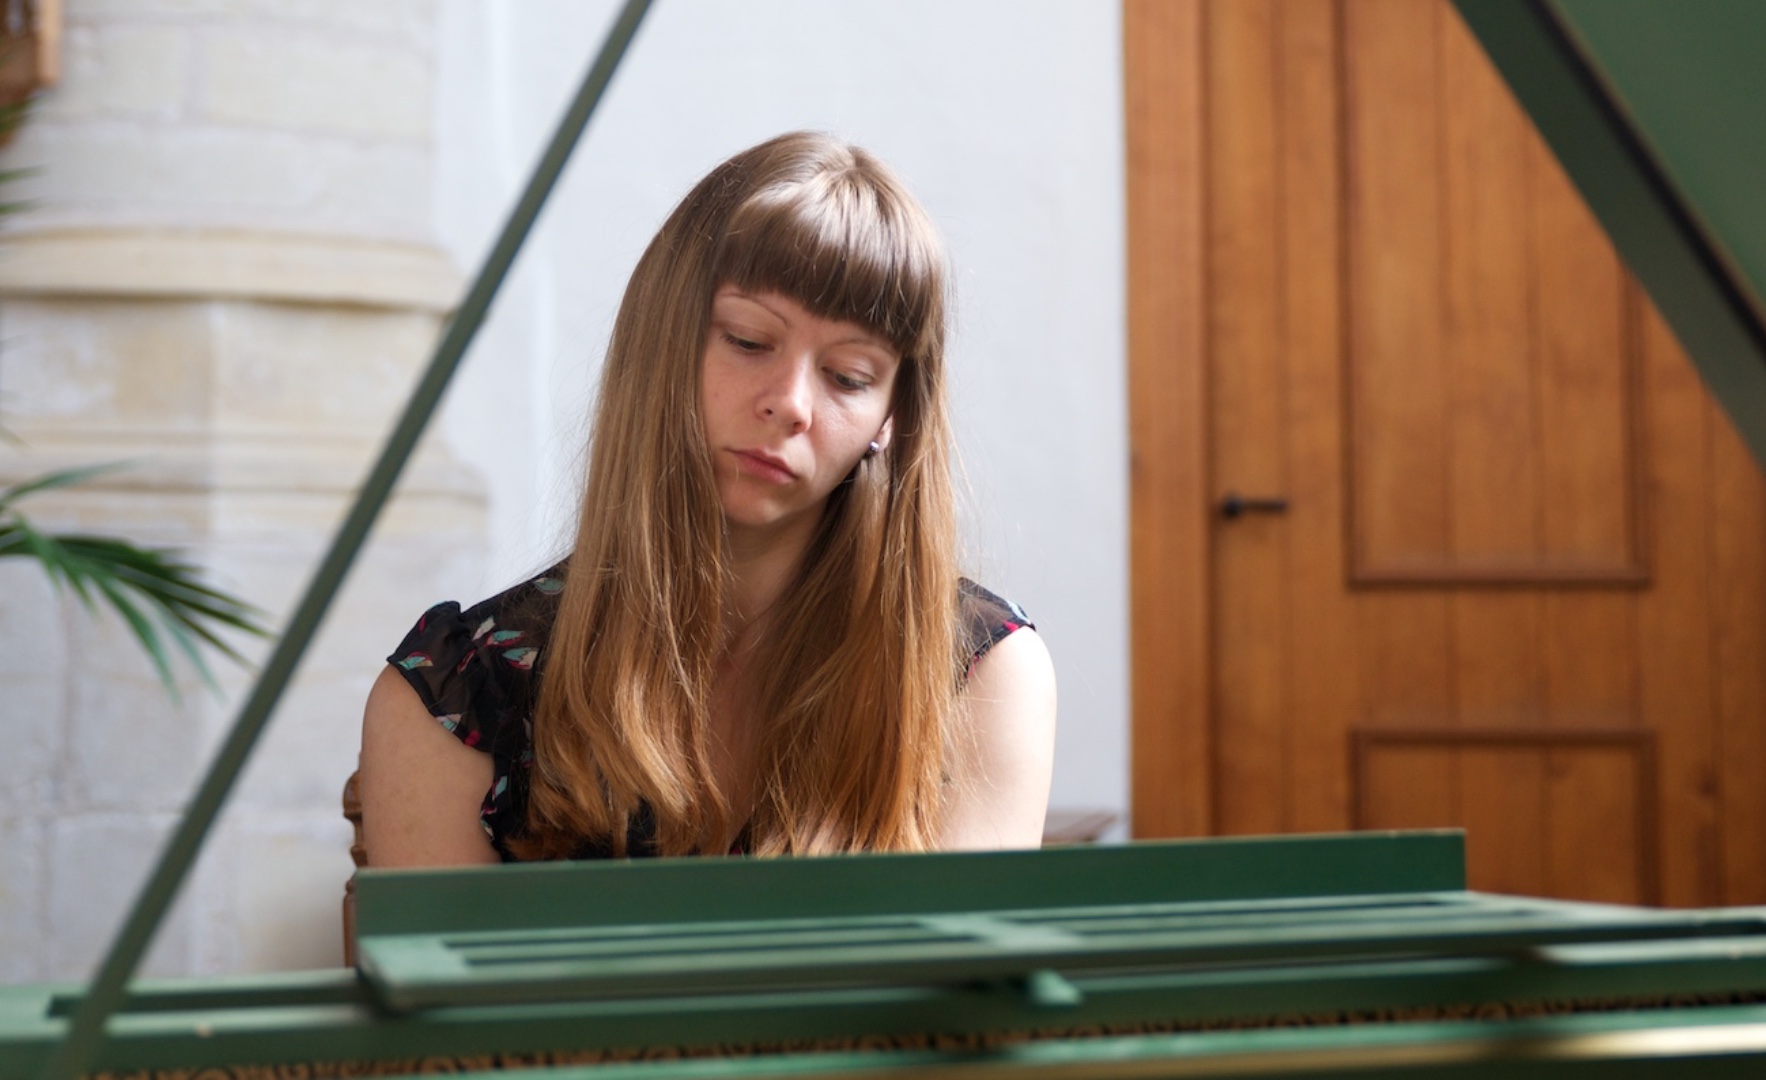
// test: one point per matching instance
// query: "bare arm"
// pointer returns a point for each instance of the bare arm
(421, 787)
(1006, 752)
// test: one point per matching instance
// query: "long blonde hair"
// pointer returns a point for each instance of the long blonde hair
(854, 684)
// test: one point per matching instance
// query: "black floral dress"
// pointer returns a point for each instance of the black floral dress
(477, 672)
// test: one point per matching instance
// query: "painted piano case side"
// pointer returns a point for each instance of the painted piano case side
(537, 895)
(1724, 1045)
(1411, 972)
(305, 1028)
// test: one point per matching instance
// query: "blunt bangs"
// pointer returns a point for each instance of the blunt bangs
(845, 245)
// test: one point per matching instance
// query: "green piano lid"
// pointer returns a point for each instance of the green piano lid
(527, 896)
(1654, 110)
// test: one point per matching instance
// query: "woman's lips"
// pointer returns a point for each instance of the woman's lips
(763, 466)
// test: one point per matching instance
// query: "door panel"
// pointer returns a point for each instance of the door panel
(1518, 586)
(1547, 812)
(1491, 426)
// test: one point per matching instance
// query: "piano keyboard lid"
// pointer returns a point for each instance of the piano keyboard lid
(1026, 920)
(1201, 938)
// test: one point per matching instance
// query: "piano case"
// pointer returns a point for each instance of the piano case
(1329, 956)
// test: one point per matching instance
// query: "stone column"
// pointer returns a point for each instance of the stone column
(226, 279)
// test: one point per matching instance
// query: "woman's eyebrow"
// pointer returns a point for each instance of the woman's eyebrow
(869, 340)
(860, 335)
(730, 292)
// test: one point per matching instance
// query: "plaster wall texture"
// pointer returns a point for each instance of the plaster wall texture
(1004, 116)
(294, 116)
(226, 278)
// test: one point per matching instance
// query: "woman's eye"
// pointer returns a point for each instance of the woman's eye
(742, 344)
(848, 382)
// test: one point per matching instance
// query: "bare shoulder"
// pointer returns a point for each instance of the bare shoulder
(420, 787)
(1005, 754)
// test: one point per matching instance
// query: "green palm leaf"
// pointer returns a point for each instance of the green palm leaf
(158, 594)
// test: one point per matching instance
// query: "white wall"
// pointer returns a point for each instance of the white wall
(1005, 118)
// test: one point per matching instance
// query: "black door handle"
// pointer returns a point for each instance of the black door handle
(1236, 505)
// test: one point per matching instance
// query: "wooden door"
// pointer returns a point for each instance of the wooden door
(1518, 584)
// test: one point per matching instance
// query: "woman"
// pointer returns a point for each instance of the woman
(759, 642)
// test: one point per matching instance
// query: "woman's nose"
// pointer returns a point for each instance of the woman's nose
(787, 397)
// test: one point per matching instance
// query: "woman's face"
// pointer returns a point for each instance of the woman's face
(791, 402)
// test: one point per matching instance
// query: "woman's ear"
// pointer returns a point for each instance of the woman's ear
(884, 433)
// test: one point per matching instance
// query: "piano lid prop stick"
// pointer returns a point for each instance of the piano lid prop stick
(86, 1031)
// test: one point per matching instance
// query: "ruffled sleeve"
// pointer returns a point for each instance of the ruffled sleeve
(475, 669)
(988, 619)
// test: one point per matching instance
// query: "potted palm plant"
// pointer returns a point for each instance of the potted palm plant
(157, 592)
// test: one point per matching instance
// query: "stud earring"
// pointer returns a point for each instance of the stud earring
(873, 449)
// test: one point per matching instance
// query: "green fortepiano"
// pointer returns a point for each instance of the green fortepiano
(1330, 956)
(1314, 956)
